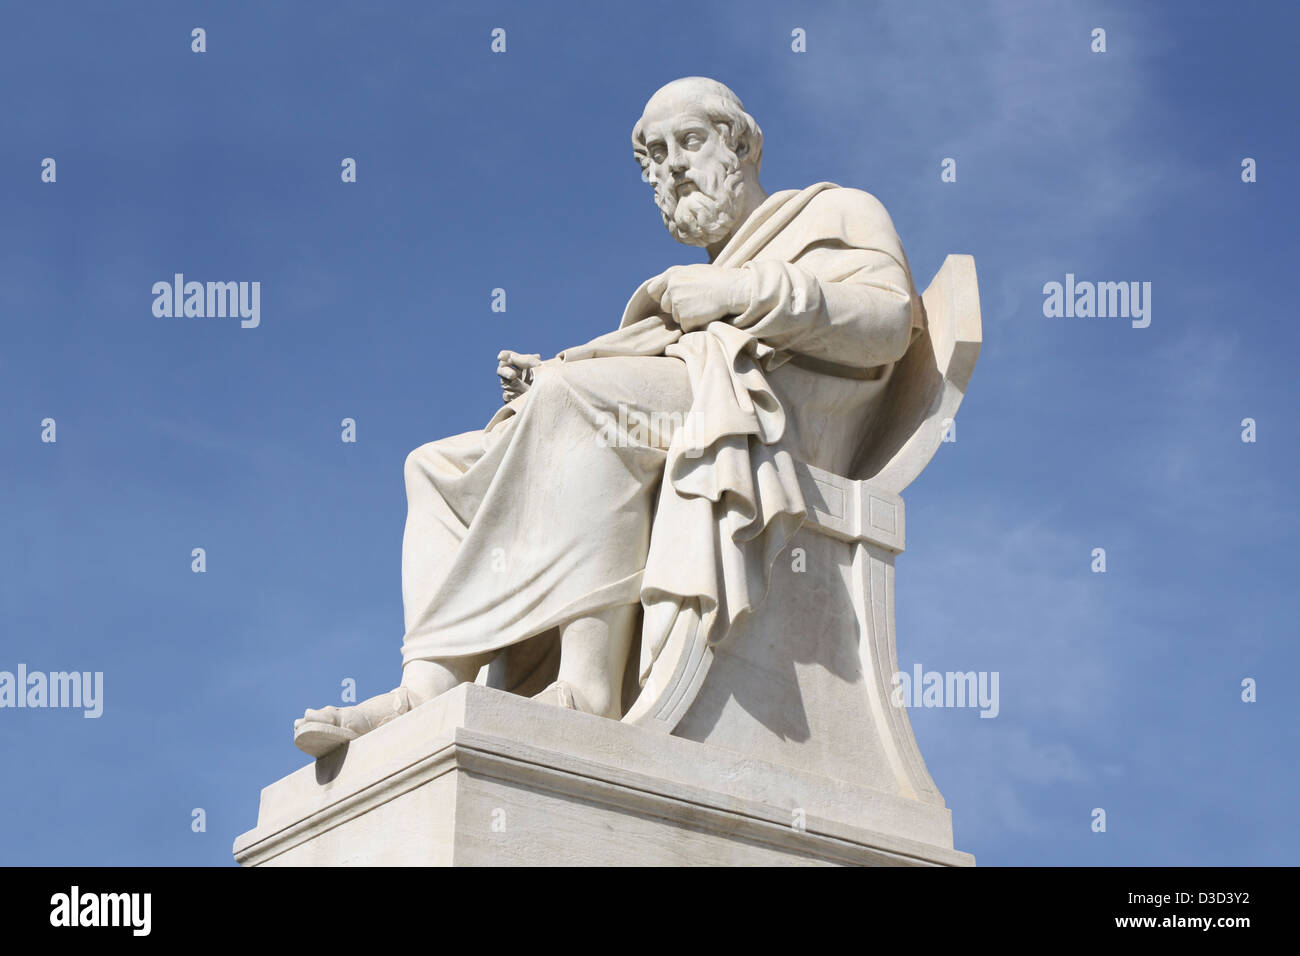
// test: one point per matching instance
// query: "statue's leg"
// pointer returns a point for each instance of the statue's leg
(593, 655)
(443, 493)
(551, 521)
(511, 531)
(433, 532)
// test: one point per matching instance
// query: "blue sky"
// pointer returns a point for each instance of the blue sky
(476, 171)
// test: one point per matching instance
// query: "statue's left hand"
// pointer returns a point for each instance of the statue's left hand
(515, 370)
(696, 295)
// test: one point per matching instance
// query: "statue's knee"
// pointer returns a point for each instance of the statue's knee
(414, 467)
(420, 466)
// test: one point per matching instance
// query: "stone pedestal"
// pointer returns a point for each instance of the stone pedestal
(482, 777)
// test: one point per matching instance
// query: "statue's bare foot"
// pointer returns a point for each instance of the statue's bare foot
(318, 732)
(562, 694)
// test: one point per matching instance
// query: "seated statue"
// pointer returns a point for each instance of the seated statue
(569, 514)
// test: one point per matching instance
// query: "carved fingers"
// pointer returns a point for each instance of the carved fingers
(515, 369)
(696, 295)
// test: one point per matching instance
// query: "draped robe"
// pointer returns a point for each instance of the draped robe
(558, 509)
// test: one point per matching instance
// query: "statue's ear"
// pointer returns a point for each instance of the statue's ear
(732, 133)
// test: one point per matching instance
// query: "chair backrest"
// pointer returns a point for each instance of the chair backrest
(927, 383)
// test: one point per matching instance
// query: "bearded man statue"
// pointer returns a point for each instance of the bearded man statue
(567, 524)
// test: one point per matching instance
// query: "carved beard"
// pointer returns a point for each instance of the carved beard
(708, 215)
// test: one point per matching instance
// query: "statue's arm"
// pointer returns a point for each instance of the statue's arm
(842, 305)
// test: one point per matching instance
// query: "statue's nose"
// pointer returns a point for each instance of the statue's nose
(676, 159)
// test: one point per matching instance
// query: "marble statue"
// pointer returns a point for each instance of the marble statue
(566, 523)
(653, 598)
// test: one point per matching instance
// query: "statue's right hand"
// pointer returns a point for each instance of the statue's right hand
(515, 369)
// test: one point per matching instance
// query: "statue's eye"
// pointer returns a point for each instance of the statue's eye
(658, 154)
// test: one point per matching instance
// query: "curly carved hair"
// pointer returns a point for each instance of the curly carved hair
(720, 106)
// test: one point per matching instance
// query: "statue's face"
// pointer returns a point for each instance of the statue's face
(697, 178)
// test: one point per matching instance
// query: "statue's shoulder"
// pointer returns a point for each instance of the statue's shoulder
(853, 202)
(854, 215)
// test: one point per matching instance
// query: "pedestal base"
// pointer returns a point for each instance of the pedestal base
(482, 777)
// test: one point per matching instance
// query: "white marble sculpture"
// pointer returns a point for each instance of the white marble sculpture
(617, 540)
